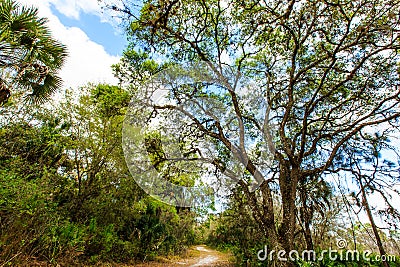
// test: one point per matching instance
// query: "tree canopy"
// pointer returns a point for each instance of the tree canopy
(287, 109)
(324, 73)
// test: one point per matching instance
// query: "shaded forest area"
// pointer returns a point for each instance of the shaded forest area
(293, 104)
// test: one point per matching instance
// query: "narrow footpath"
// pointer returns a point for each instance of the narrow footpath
(202, 256)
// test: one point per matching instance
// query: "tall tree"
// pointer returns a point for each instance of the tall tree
(322, 72)
(373, 168)
(29, 56)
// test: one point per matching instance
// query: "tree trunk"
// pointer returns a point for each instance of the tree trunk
(288, 184)
(306, 219)
(373, 225)
(308, 236)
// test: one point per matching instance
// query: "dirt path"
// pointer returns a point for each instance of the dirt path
(206, 257)
(199, 256)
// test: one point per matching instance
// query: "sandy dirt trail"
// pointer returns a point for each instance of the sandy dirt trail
(197, 256)
(204, 257)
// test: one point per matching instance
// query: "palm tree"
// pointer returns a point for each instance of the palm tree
(29, 56)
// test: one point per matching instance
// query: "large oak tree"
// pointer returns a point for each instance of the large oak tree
(323, 72)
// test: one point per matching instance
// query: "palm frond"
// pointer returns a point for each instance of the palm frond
(41, 92)
(26, 42)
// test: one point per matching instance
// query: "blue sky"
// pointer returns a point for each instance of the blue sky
(101, 32)
(93, 38)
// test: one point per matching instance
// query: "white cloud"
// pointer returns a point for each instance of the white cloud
(72, 8)
(87, 60)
